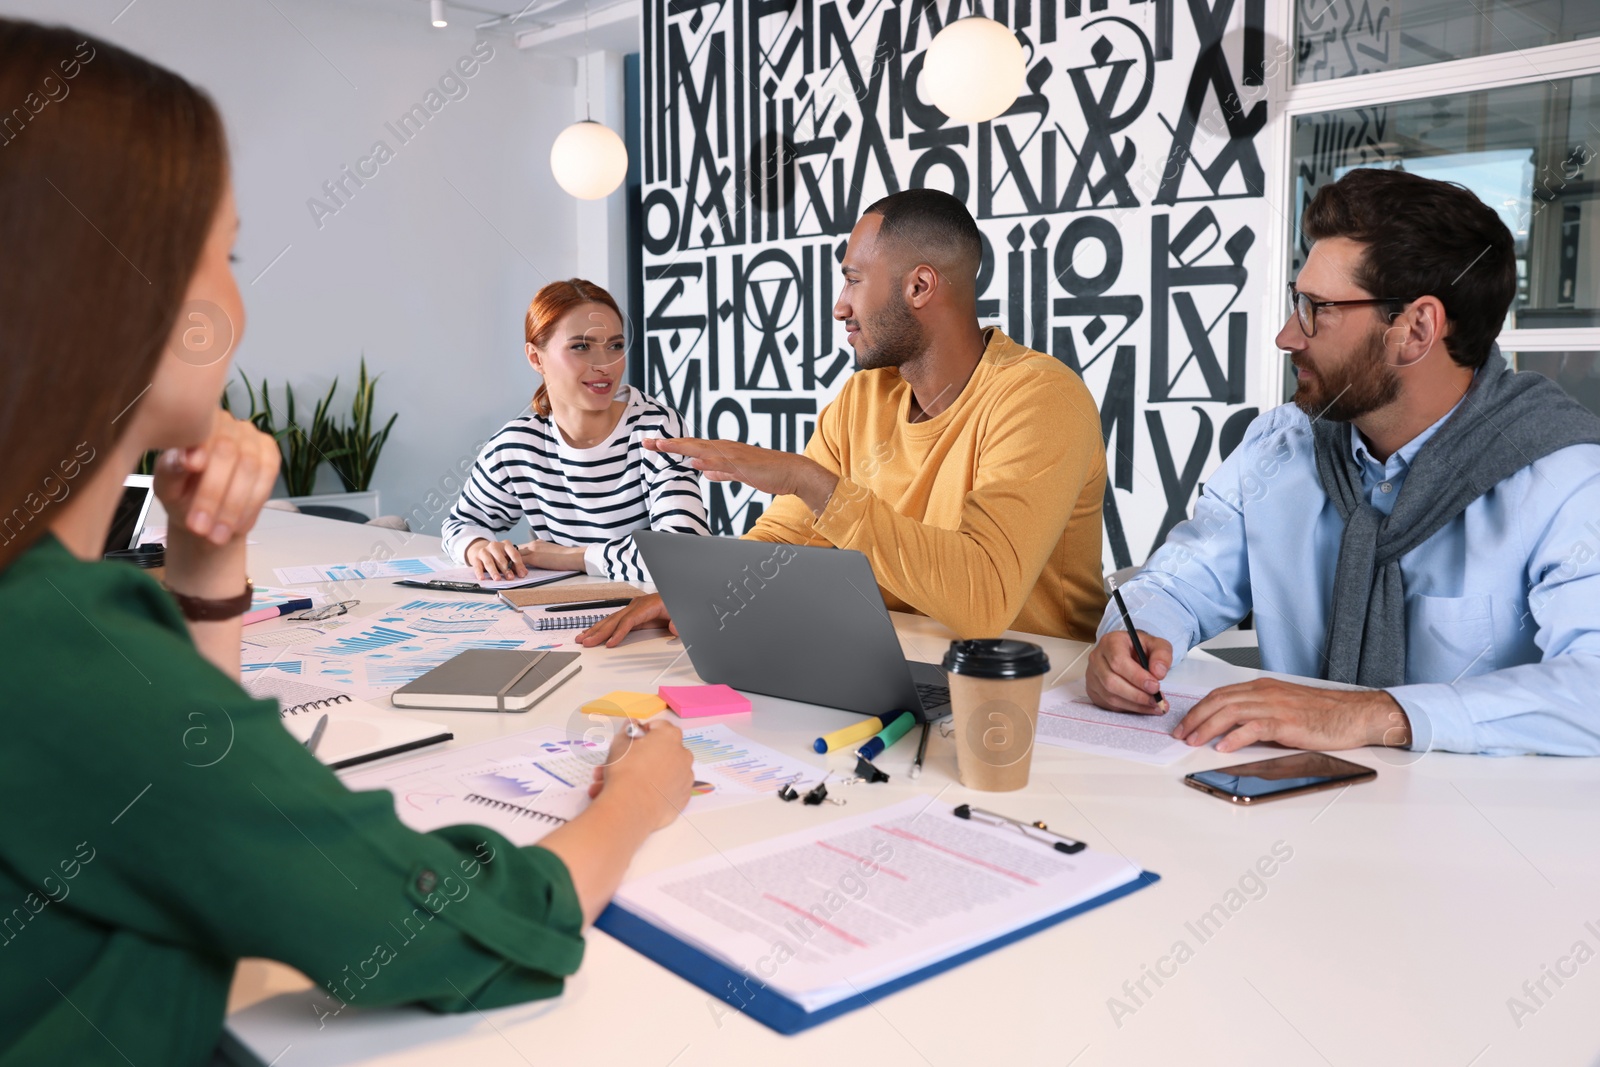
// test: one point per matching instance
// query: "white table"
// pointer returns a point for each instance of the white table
(1410, 910)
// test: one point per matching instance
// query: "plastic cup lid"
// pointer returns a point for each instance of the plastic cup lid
(996, 658)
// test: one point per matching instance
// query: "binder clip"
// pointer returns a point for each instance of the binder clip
(787, 791)
(866, 772)
(819, 793)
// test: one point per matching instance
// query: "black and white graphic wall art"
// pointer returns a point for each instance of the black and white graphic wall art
(1120, 200)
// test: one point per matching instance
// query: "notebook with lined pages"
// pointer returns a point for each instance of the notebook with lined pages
(357, 731)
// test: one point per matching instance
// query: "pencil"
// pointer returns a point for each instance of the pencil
(922, 750)
(1138, 649)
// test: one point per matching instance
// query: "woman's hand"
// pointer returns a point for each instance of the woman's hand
(213, 492)
(655, 772)
(644, 784)
(495, 560)
(547, 556)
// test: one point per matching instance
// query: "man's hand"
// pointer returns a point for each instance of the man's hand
(642, 612)
(1115, 679)
(765, 469)
(1296, 716)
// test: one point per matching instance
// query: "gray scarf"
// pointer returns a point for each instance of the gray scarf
(1506, 422)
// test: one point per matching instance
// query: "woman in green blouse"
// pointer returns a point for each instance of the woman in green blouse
(157, 824)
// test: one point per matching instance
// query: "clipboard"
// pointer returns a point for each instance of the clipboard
(747, 995)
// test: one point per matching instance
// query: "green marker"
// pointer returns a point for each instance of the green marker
(887, 736)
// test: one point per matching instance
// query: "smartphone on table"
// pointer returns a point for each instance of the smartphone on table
(1285, 776)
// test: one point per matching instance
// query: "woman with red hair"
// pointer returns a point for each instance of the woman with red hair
(575, 465)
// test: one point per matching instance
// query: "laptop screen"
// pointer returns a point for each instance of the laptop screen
(128, 522)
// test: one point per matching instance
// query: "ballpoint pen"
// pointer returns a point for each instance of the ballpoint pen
(274, 611)
(316, 735)
(1138, 649)
(619, 602)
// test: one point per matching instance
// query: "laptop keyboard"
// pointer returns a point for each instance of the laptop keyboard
(932, 696)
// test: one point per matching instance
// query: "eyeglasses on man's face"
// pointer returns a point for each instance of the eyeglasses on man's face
(1305, 308)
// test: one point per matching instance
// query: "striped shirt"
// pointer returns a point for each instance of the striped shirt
(581, 496)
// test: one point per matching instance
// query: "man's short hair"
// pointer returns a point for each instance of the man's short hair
(937, 229)
(1424, 238)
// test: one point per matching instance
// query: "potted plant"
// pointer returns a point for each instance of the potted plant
(357, 446)
(305, 446)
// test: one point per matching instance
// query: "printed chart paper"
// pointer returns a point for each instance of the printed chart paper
(351, 572)
(398, 644)
(510, 784)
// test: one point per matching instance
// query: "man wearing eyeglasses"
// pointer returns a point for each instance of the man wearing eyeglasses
(1420, 521)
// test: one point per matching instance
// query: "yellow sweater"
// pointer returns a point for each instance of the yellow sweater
(985, 517)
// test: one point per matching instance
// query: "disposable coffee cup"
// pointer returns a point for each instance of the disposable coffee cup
(994, 698)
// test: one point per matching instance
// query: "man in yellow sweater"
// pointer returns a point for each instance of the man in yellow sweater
(968, 469)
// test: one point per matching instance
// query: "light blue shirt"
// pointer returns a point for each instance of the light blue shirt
(1502, 603)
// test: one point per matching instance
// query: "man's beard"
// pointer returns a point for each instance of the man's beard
(1363, 383)
(895, 337)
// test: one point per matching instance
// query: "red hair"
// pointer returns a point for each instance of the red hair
(548, 307)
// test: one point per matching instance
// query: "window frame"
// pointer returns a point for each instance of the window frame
(1528, 66)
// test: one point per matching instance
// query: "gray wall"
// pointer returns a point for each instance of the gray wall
(427, 268)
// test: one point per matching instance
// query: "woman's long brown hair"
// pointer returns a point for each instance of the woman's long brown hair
(111, 169)
(547, 308)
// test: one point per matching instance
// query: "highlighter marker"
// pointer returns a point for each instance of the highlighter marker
(851, 734)
(887, 736)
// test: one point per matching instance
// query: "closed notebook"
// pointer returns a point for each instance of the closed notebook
(357, 731)
(569, 594)
(489, 679)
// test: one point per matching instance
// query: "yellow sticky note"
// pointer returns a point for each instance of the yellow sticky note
(626, 705)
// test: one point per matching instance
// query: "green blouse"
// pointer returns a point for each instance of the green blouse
(157, 824)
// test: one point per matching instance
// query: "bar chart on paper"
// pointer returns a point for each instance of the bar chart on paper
(545, 770)
(362, 570)
(367, 640)
(736, 766)
(454, 616)
(396, 645)
(410, 662)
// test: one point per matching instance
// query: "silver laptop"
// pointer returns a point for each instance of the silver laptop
(800, 623)
(127, 524)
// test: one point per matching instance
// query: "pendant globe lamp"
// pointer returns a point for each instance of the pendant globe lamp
(973, 70)
(588, 159)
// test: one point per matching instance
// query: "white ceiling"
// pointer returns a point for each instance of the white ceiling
(509, 17)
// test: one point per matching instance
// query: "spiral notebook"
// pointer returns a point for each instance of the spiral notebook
(521, 811)
(522, 786)
(357, 731)
(568, 620)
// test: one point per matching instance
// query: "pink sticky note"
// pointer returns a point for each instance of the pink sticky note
(693, 701)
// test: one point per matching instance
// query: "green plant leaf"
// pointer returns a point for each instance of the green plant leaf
(357, 444)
